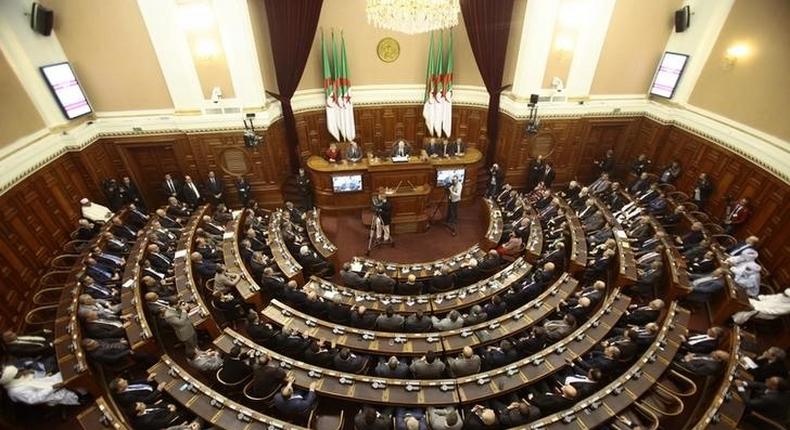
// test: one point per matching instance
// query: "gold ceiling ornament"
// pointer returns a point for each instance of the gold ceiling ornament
(413, 16)
(388, 50)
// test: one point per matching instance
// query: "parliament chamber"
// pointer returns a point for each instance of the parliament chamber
(394, 215)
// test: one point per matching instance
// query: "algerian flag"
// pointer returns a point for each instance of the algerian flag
(339, 120)
(438, 89)
(430, 101)
(346, 108)
(329, 93)
(447, 105)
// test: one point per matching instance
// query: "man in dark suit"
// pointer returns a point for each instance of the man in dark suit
(535, 171)
(346, 361)
(235, 367)
(641, 165)
(295, 403)
(243, 188)
(155, 417)
(641, 315)
(418, 323)
(401, 148)
(130, 193)
(215, 187)
(548, 175)
(411, 287)
(703, 343)
(496, 178)
(206, 269)
(266, 378)
(176, 208)
(703, 364)
(363, 319)
(442, 280)
(127, 393)
(433, 148)
(381, 283)
(607, 163)
(550, 402)
(770, 363)
(457, 148)
(769, 399)
(171, 186)
(702, 190)
(190, 192)
(370, 419)
(106, 351)
(28, 345)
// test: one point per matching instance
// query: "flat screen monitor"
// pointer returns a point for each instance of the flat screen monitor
(67, 90)
(346, 183)
(444, 177)
(668, 74)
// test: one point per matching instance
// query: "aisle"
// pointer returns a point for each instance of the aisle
(351, 237)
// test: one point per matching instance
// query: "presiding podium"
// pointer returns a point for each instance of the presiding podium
(408, 181)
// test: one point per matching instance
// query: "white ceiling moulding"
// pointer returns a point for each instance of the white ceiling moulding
(23, 157)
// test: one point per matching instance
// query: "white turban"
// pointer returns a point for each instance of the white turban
(9, 373)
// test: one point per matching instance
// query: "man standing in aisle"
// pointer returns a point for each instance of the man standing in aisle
(215, 187)
(454, 195)
(382, 218)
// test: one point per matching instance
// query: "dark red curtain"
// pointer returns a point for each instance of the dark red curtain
(488, 26)
(292, 25)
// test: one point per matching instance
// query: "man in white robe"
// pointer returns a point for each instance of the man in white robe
(95, 212)
(767, 307)
(747, 276)
(34, 388)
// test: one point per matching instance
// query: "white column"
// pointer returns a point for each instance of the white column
(172, 50)
(589, 41)
(26, 51)
(238, 42)
(707, 20)
(534, 47)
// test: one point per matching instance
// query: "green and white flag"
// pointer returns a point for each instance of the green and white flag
(347, 127)
(330, 92)
(447, 95)
(428, 108)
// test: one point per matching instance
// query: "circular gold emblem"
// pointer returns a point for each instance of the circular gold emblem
(388, 50)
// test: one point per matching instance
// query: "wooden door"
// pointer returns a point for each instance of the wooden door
(148, 164)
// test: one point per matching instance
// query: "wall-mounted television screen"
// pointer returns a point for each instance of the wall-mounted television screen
(668, 74)
(346, 183)
(444, 177)
(67, 90)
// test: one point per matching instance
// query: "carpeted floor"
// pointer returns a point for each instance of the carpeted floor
(351, 237)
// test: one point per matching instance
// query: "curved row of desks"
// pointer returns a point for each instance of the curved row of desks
(450, 341)
(208, 404)
(578, 254)
(138, 331)
(429, 303)
(727, 407)
(282, 256)
(485, 385)
(626, 389)
(626, 273)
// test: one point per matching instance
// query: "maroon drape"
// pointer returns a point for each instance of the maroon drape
(292, 25)
(488, 26)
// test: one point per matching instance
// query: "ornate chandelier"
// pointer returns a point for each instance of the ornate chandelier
(413, 16)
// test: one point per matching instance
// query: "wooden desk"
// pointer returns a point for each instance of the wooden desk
(622, 392)
(442, 302)
(535, 242)
(318, 238)
(401, 271)
(578, 255)
(417, 344)
(186, 286)
(138, 331)
(210, 405)
(385, 173)
(247, 288)
(349, 386)
(100, 416)
(727, 407)
(499, 381)
(626, 273)
(282, 256)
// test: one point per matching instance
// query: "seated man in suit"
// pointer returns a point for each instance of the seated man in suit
(442, 280)
(703, 364)
(704, 343)
(496, 307)
(451, 321)
(500, 355)
(641, 315)
(389, 320)
(433, 148)
(235, 366)
(353, 152)
(369, 418)
(456, 148)
(410, 419)
(769, 399)
(604, 360)
(106, 351)
(585, 383)
(770, 363)
(86, 230)
(127, 393)
(427, 366)
(99, 328)
(295, 403)
(380, 282)
(513, 411)
(167, 221)
(549, 402)
(558, 329)
(153, 417)
(176, 208)
(346, 361)
(475, 316)
(479, 417)
(411, 287)
(206, 269)
(33, 344)
(446, 418)
(401, 148)
(353, 279)
(392, 368)
(418, 322)
(532, 342)
(361, 318)
(468, 363)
